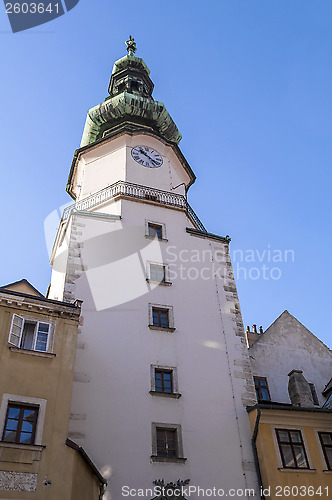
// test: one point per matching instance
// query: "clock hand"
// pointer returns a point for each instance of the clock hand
(144, 153)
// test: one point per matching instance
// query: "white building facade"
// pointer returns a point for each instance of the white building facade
(162, 376)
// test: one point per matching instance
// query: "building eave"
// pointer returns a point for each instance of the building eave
(25, 281)
(76, 306)
(287, 407)
(211, 236)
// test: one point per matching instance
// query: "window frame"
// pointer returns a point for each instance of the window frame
(165, 281)
(314, 394)
(160, 312)
(175, 389)
(290, 443)
(323, 446)
(161, 307)
(28, 401)
(164, 372)
(259, 387)
(166, 451)
(176, 428)
(149, 223)
(328, 402)
(22, 407)
(37, 323)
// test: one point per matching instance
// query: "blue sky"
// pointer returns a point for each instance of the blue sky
(248, 84)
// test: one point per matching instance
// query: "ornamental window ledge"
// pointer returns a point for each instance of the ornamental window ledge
(32, 352)
(295, 469)
(20, 453)
(164, 283)
(162, 328)
(174, 460)
(173, 395)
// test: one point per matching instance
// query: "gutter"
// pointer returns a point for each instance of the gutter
(254, 448)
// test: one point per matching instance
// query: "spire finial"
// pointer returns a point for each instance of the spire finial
(131, 46)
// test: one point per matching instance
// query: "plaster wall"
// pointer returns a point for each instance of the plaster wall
(112, 161)
(278, 481)
(112, 408)
(44, 378)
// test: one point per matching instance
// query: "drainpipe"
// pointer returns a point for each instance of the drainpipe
(102, 491)
(254, 447)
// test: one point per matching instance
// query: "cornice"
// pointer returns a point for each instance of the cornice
(30, 303)
(129, 128)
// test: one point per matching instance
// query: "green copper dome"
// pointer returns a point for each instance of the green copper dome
(130, 101)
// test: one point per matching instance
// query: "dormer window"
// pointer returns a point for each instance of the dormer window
(262, 389)
(314, 394)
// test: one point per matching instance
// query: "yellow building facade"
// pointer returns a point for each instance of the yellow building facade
(293, 450)
(37, 357)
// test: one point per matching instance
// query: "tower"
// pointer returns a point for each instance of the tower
(162, 376)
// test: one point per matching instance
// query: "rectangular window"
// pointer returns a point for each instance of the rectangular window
(163, 380)
(31, 335)
(20, 424)
(166, 443)
(292, 449)
(155, 230)
(262, 389)
(42, 336)
(160, 317)
(157, 273)
(28, 335)
(326, 442)
(314, 394)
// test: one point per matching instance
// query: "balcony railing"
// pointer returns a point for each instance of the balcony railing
(134, 191)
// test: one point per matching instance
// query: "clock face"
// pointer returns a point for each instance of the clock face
(147, 157)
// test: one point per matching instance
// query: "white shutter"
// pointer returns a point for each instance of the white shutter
(42, 335)
(16, 330)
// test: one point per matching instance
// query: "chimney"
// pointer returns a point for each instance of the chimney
(299, 390)
(251, 337)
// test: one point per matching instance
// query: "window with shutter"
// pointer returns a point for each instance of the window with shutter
(42, 336)
(29, 335)
(16, 330)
